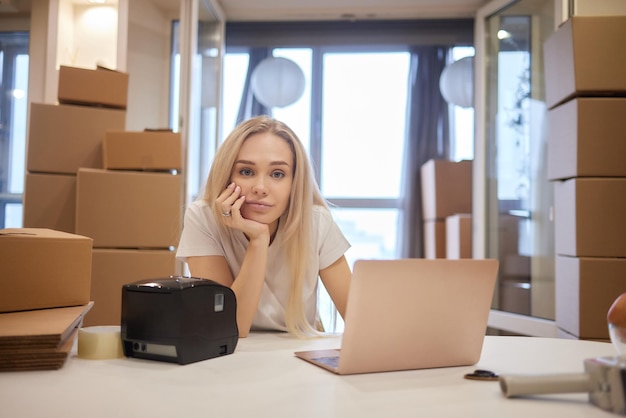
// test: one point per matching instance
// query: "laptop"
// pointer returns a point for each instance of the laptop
(408, 314)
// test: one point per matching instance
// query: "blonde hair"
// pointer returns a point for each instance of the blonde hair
(295, 223)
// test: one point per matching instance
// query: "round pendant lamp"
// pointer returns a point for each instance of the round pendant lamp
(277, 82)
(456, 82)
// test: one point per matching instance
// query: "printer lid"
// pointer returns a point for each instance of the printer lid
(172, 283)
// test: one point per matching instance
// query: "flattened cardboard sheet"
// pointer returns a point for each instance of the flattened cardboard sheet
(38, 359)
(39, 329)
(39, 339)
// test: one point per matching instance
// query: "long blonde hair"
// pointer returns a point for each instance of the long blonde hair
(295, 223)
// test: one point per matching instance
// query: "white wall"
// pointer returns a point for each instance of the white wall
(87, 35)
(148, 49)
(61, 38)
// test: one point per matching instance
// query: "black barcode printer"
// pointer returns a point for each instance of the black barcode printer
(178, 319)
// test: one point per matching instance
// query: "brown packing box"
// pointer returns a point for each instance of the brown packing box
(516, 266)
(114, 268)
(129, 209)
(514, 296)
(446, 188)
(586, 56)
(508, 234)
(99, 86)
(586, 288)
(435, 239)
(589, 217)
(459, 236)
(147, 150)
(50, 201)
(587, 138)
(63, 138)
(43, 268)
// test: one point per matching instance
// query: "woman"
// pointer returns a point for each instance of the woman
(263, 229)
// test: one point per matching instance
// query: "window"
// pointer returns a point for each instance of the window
(462, 119)
(363, 121)
(13, 113)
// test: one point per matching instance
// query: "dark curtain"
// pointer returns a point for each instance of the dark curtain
(249, 105)
(427, 138)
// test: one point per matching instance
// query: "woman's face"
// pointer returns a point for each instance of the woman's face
(264, 171)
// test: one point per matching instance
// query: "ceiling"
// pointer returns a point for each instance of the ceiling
(300, 10)
(294, 10)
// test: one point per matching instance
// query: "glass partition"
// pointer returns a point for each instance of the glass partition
(518, 197)
(203, 137)
(197, 56)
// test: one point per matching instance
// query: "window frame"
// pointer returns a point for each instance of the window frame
(12, 45)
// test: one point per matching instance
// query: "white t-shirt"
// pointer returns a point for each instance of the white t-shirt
(202, 236)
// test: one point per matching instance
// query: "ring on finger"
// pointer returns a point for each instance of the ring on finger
(226, 214)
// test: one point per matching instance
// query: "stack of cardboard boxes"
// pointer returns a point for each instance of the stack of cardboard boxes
(45, 267)
(45, 279)
(132, 209)
(88, 176)
(446, 208)
(65, 137)
(585, 63)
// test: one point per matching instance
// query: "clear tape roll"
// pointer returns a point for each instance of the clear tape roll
(100, 343)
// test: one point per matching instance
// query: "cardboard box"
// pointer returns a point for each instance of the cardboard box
(63, 138)
(508, 234)
(586, 56)
(587, 138)
(101, 86)
(586, 288)
(459, 236)
(129, 209)
(43, 268)
(114, 268)
(50, 201)
(514, 296)
(147, 150)
(446, 188)
(589, 217)
(435, 239)
(516, 266)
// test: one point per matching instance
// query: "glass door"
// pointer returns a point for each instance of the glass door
(197, 68)
(517, 200)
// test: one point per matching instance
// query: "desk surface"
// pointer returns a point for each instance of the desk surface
(263, 378)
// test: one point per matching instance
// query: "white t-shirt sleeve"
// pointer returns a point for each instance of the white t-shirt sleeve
(331, 242)
(200, 235)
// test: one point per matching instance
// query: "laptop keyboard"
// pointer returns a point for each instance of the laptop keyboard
(328, 361)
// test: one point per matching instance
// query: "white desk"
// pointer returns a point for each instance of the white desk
(262, 378)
